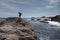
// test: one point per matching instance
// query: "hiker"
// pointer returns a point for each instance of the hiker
(20, 14)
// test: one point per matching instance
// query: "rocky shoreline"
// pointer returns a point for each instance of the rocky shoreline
(14, 28)
(56, 18)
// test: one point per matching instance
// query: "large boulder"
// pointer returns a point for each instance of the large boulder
(56, 18)
(16, 29)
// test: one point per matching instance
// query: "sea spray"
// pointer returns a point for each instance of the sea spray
(54, 23)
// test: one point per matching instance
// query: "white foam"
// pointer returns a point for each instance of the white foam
(54, 23)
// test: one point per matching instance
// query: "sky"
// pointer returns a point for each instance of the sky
(29, 8)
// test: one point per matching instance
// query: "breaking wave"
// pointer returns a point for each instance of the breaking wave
(54, 23)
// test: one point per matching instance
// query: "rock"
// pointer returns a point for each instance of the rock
(56, 18)
(15, 28)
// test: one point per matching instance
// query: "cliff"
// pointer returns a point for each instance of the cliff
(14, 28)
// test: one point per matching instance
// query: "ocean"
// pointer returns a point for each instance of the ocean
(45, 31)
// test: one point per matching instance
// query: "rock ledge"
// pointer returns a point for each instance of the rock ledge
(14, 28)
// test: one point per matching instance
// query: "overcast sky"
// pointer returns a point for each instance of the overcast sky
(29, 8)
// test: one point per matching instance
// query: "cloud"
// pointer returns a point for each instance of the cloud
(50, 6)
(11, 7)
(21, 2)
(6, 5)
(52, 3)
(15, 5)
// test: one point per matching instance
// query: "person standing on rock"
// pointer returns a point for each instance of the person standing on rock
(20, 14)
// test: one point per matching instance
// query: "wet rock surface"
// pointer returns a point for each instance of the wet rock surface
(56, 18)
(15, 28)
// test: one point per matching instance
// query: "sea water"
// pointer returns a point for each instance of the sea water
(46, 31)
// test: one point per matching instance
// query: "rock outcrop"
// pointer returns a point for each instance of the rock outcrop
(15, 28)
(56, 18)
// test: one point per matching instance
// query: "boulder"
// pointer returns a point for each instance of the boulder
(14, 28)
(56, 18)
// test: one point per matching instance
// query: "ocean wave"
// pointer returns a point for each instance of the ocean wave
(54, 23)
